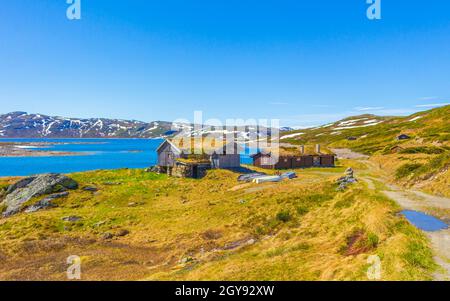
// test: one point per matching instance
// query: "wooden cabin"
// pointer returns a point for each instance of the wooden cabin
(293, 157)
(192, 161)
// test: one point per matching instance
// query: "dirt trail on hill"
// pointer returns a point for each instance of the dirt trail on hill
(440, 240)
(409, 200)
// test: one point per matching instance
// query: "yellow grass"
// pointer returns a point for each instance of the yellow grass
(213, 229)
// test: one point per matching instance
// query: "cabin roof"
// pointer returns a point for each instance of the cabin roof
(208, 146)
(167, 141)
(195, 159)
(296, 151)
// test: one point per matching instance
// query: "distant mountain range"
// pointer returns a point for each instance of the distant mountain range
(24, 125)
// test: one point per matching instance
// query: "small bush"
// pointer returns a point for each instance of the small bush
(372, 240)
(300, 247)
(260, 230)
(434, 165)
(439, 162)
(212, 235)
(431, 150)
(284, 216)
(406, 170)
(302, 210)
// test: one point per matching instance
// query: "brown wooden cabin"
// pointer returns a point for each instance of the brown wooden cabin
(181, 161)
(290, 158)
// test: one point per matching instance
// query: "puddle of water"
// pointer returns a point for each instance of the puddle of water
(424, 221)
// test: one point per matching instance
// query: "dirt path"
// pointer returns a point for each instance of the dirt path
(410, 200)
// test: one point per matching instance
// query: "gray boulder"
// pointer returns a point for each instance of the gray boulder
(46, 202)
(28, 188)
(22, 183)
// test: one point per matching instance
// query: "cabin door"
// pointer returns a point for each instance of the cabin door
(195, 172)
(316, 161)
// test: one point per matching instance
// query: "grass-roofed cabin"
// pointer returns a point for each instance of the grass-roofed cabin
(295, 157)
(193, 161)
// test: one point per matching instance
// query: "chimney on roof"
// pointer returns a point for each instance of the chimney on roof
(224, 141)
(318, 148)
(302, 149)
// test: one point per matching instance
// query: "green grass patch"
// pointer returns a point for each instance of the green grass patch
(407, 170)
(429, 150)
(284, 216)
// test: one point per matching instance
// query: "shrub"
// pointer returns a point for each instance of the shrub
(406, 170)
(431, 150)
(302, 210)
(434, 165)
(283, 216)
(212, 235)
(372, 240)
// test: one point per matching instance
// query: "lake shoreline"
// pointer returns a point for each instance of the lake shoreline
(30, 149)
(25, 157)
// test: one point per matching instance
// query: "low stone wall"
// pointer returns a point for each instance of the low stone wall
(182, 171)
(189, 171)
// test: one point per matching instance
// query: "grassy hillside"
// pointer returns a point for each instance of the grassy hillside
(376, 134)
(147, 226)
(421, 161)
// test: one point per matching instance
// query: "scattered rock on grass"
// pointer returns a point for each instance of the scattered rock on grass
(122, 232)
(107, 236)
(112, 183)
(101, 223)
(90, 188)
(186, 260)
(46, 203)
(72, 218)
(155, 169)
(251, 242)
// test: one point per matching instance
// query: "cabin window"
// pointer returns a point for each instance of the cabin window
(285, 160)
(298, 159)
(265, 161)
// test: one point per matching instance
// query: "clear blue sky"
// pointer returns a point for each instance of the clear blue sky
(305, 62)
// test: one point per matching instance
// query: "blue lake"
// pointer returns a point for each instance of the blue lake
(100, 154)
(424, 222)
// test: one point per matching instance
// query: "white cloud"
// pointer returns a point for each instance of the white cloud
(323, 106)
(429, 98)
(278, 103)
(360, 109)
(432, 105)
